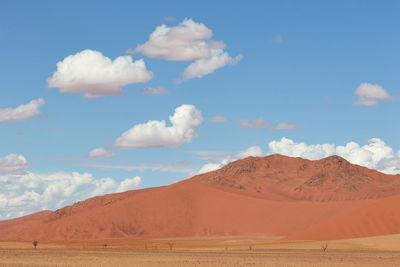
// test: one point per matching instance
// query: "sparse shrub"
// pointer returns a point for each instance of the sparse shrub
(325, 247)
(105, 245)
(171, 245)
(35, 243)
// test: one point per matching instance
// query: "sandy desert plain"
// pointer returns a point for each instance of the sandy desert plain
(226, 251)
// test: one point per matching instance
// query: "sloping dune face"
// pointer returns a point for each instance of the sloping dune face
(274, 195)
(381, 217)
(31, 217)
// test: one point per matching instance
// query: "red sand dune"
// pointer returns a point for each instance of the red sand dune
(30, 217)
(381, 217)
(273, 195)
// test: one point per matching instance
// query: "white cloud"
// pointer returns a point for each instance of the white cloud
(129, 184)
(156, 134)
(101, 152)
(154, 91)
(218, 119)
(94, 75)
(22, 112)
(285, 126)
(375, 154)
(205, 66)
(289, 148)
(14, 164)
(257, 123)
(209, 167)
(370, 94)
(254, 151)
(220, 161)
(24, 194)
(188, 41)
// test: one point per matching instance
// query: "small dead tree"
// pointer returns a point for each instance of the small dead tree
(325, 247)
(171, 245)
(35, 243)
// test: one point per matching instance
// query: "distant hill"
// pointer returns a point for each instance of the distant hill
(274, 195)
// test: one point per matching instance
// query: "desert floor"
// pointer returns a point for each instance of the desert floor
(261, 251)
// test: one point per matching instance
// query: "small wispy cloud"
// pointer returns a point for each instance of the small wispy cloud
(22, 112)
(210, 154)
(182, 166)
(205, 66)
(257, 123)
(218, 119)
(154, 91)
(101, 152)
(170, 19)
(370, 94)
(285, 126)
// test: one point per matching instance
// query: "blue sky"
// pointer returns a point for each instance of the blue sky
(299, 63)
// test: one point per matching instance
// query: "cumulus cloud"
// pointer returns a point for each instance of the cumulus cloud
(257, 123)
(205, 66)
(209, 167)
(154, 91)
(101, 152)
(14, 164)
(156, 134)
(220, 161)
(285, 126)
(93, 74)
(218, 119)
(370, 94)
(24, 194)
(22, 112)
(375, 154)
(289, 148)
(129, 184)
(188, 41)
